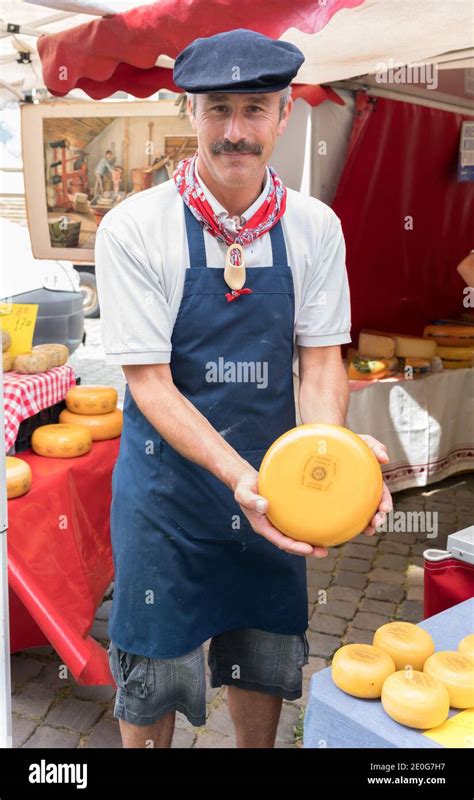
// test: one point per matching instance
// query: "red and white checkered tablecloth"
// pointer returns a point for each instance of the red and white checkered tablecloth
(25, 395)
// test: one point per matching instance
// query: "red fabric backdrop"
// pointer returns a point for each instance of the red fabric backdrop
(402, 161)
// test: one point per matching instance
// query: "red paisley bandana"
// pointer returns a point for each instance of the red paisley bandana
(266, 216)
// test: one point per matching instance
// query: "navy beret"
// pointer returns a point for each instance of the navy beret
(237, 61)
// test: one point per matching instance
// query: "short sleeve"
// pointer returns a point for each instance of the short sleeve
(136, 323)
(324, 317)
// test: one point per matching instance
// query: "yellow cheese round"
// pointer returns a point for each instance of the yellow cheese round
(7, 362)
(415, 699)
(456, 353)
(6, 340)
(61, 441)
(455, 364)
(91, 399)
(466, 646)
(18, 477)
(361, 669)
(58, 353)
(451, 335)
(31, 363)
(456, 672)
(323, 484)
(407, 644)
(101, 426)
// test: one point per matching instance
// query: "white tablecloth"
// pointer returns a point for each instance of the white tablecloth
(427, 425)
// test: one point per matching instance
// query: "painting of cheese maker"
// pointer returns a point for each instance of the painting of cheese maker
(93, 163)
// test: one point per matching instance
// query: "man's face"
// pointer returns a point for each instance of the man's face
(109, 156)
(237, 132)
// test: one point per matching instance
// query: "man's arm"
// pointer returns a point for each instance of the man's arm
(191, 434)
(323, 389)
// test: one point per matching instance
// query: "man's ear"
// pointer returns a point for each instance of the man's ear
(286, 114)
(189, 107)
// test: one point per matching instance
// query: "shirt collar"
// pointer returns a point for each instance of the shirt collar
(219, 209)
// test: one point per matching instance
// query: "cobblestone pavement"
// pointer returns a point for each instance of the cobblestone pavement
(357, 588)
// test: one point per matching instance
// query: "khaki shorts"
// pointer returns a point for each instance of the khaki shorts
(148, 688)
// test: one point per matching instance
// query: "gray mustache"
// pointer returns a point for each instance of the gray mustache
(240, 147)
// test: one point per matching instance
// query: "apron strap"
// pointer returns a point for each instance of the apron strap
(197, 248)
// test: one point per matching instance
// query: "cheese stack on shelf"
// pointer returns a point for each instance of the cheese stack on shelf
(380, 354)
(94, 408)
(455, 344)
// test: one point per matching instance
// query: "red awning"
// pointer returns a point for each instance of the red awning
(120, 52)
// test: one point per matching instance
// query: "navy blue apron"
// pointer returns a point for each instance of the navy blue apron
(187, 563)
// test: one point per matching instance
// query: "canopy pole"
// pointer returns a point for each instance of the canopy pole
(6, 739)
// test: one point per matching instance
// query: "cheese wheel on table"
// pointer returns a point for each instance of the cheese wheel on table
(466, 646)
(408, 644)
(18, 477)
(456, 353)
(451, 335)
(58, 353)
(456, 364)
(101, 426)
(456, 672)
(361, 669)
(415, 699)
(6, 340)
(323, 484)
(91, 399)
(61, 441)
(7, 362)
(32, 363)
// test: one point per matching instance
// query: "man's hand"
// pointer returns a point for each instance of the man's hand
(386, 504)
(255, 506)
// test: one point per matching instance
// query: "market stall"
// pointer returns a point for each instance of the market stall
(393, 179)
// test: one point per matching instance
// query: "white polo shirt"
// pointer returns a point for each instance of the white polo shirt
(141, 257)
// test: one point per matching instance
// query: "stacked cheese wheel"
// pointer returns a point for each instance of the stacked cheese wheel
(416, 685)
(95, 409)
(18, 477)
(455, 344)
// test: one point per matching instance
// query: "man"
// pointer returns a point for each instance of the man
(103, 170)
(209, 388)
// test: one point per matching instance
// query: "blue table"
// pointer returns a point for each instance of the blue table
(335, 719)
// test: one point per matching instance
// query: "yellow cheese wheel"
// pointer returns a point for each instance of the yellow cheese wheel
(18, 477)
(455, 364)
(456, 672)
(323, 484)
(361, 669)
(61, 441)
(7, 362)
(101, 426)
(451, 335)
(466, 646)
(31, 363)
(6, 340)
(58, 353)
(408, 644)
(456, 353)
(415, 699)
(91, 399)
